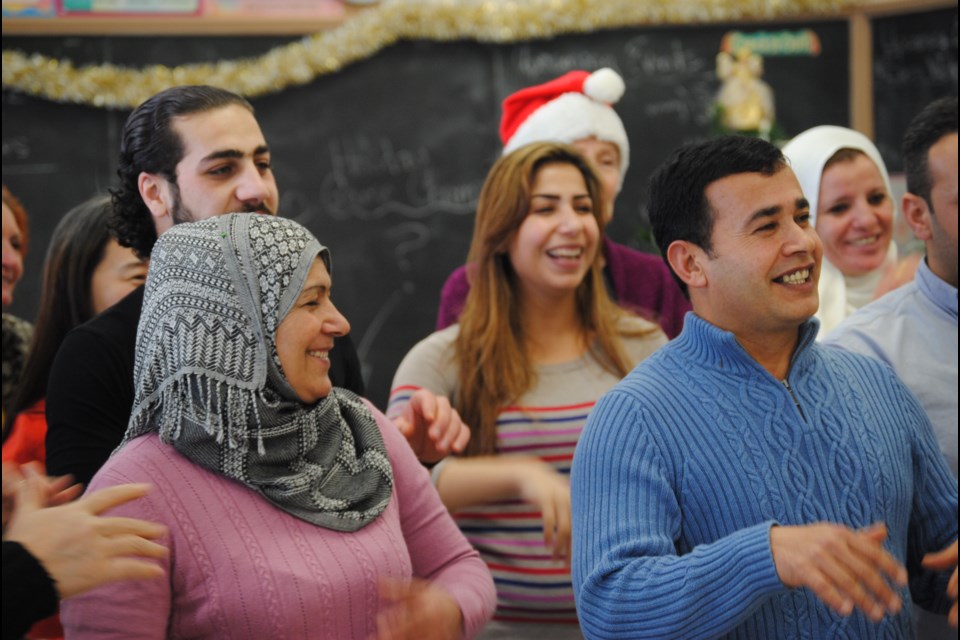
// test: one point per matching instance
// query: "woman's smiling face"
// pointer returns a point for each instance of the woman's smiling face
(556, 243)
(854, 215)
(306, 335)
(12, 254)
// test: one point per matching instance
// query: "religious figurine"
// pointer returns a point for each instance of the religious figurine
(744, 103)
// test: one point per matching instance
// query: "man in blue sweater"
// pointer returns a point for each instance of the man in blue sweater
(745, 482)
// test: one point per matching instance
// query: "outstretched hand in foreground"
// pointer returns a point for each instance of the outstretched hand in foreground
(77, 546)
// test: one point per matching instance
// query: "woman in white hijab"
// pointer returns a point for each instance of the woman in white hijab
(853, 209)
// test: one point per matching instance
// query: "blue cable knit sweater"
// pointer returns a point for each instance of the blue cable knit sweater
(684, 466)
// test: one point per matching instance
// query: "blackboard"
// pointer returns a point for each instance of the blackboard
(384, 160)
(914, 63)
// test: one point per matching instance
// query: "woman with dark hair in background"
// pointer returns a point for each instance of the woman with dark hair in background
(85, 272)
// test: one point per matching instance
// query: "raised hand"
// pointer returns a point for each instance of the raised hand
(432, 427)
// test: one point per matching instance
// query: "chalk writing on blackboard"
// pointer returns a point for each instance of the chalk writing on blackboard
(15, 149)
(372, 177)
(648, 57)
(914, 62)
(536, 65)
(934, 55)
(680, 82)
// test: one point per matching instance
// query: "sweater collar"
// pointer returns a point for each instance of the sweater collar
(718, 348)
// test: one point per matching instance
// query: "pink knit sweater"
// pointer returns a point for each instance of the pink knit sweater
(241, 568)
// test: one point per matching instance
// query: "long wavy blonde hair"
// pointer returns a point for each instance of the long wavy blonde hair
(494, 367)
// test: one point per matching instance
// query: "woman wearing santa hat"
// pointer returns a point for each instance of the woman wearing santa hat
(576, 109)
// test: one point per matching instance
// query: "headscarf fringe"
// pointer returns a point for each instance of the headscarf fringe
(212, 404)
(210, 381)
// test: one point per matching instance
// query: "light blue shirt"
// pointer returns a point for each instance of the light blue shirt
(914, 330)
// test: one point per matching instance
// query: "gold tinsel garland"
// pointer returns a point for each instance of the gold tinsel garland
(300, 62)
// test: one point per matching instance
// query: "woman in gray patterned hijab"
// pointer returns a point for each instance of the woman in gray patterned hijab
(233, 402)
(210, 378)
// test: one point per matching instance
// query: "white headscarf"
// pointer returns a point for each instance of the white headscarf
(808, 153)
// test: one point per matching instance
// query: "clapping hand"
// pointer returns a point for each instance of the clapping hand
(417, 610)
(432, 427)
(845, 568)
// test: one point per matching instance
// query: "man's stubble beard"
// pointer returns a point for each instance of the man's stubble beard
(181, 214)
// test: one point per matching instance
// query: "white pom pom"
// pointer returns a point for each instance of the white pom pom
(604, 85)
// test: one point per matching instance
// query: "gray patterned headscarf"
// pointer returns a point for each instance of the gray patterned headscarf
(209, 380)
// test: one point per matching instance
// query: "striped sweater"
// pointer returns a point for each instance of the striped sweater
(546, 422)
(688, 462)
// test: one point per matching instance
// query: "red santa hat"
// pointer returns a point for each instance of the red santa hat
(572, 107)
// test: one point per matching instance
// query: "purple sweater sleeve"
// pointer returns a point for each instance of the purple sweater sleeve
(452, 298)
(641, 282)
(438, 551)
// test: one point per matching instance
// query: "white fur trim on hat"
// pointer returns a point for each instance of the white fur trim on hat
(572, 117)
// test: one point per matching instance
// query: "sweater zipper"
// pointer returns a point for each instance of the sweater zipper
(796, 403)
